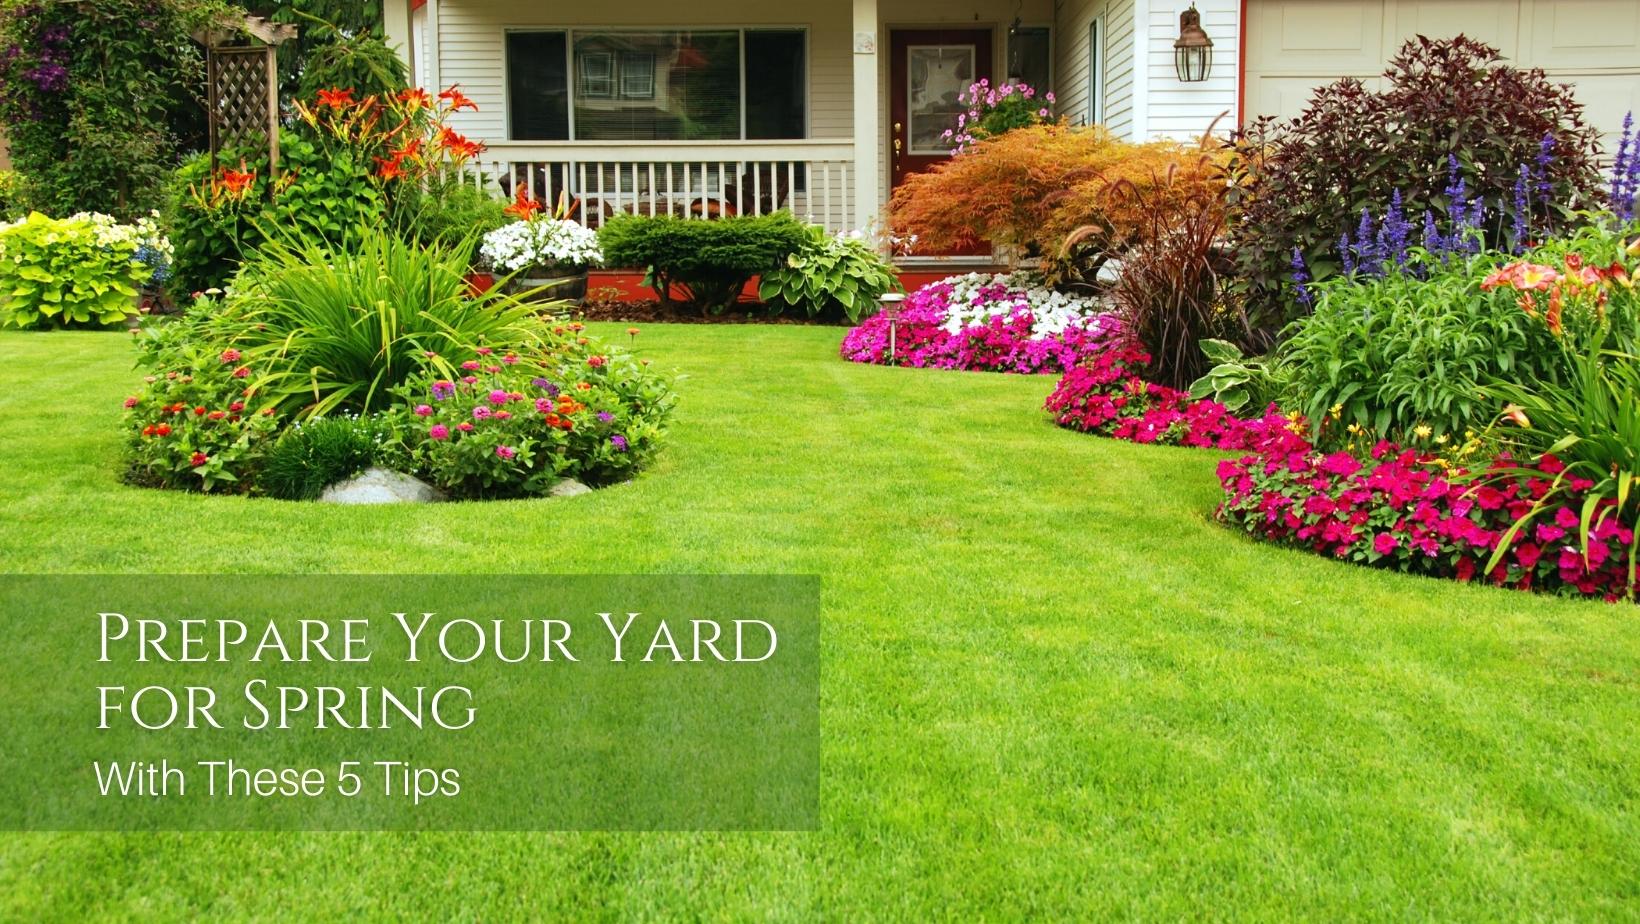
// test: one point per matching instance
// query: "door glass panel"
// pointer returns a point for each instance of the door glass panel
(936, 76)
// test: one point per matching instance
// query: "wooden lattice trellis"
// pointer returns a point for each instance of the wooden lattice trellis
(242, 70)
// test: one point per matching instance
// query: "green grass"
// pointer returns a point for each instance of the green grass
(1051, 685)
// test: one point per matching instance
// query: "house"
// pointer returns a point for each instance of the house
(823, 106)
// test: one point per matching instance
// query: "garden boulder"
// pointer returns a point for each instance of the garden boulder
(381, 486)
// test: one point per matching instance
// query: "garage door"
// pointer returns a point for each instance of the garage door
(1294, 46)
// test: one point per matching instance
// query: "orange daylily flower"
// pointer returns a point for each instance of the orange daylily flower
(390, 168)
(457, 100)
(415, 99)
(457, 145)
(336, 99)
(237, 182)
(524, 206)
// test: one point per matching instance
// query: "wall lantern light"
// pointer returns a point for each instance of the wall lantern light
(1193, 52)
(890, 302)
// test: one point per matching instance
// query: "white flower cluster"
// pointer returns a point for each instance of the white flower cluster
(542, 242)
(1052, 311)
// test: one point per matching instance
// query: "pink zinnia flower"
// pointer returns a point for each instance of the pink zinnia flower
(499, 397)
(230, 356)
(465, 426)
(506, 452)
(480, 412)
(424, 410)
(438, 432)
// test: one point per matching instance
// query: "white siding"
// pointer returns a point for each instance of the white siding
(1185, 110)
(471, 48)
(1075, 18)
(1295, 46)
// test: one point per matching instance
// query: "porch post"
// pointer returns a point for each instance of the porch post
(396, 29)
(868, 142)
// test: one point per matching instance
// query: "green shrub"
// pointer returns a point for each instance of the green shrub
(711, 261)
(338, 329)
(1303, 183)
(360, 61)
(1241, 383)
(832, 276)
(312, 455)
(80, 271)
(98, 99)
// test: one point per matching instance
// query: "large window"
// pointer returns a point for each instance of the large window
(657, 84)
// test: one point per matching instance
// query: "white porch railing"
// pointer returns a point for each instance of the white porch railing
(814, 179)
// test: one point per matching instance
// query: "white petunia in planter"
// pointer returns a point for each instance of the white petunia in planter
(549, 257)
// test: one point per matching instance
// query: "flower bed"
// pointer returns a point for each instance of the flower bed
(1106, 396)
(1404, 509)
(990, 323)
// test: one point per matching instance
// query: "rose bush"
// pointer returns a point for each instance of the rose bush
(1000, 323)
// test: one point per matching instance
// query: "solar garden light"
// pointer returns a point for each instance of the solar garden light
(890, 302)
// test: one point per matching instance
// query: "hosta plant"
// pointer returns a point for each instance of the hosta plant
(81, 271)
(833, 276)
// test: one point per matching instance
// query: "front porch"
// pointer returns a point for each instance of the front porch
(628, 115)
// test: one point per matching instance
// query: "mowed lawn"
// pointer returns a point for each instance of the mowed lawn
(1052, 686)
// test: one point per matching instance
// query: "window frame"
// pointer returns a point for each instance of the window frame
(573, 79)
(1053, 49)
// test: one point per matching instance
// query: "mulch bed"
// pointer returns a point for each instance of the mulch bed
(650, 311)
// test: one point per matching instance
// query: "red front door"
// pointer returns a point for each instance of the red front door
(929, 69)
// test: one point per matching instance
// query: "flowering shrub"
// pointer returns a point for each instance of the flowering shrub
(996, 110)
(85, 269)
(999, 323)
(1405, 509)
(197, 423)
(543, 243)
(513, 425)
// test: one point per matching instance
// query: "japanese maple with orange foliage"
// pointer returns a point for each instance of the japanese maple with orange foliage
(1031, 188)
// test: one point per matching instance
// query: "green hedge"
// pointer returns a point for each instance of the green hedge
(710, 260)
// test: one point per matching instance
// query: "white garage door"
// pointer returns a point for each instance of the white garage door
(1294, 46)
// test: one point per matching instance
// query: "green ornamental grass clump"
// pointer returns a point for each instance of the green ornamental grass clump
(312, 455)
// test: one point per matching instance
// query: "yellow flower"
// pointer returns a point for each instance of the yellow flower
(1336, 410)
(1422, 431)
(1441, 440)
(1354, 428)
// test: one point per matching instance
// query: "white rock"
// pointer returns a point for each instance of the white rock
(381, 486)
(568, 487)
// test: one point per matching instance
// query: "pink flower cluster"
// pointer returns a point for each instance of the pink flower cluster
(1106, 396)
(1003, 342)
(1402, 509)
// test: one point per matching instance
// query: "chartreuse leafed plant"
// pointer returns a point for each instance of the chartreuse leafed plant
(335, 331)
(81, 271)
(833, 276)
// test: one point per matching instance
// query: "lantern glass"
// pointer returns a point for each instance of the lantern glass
(1193, 63)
